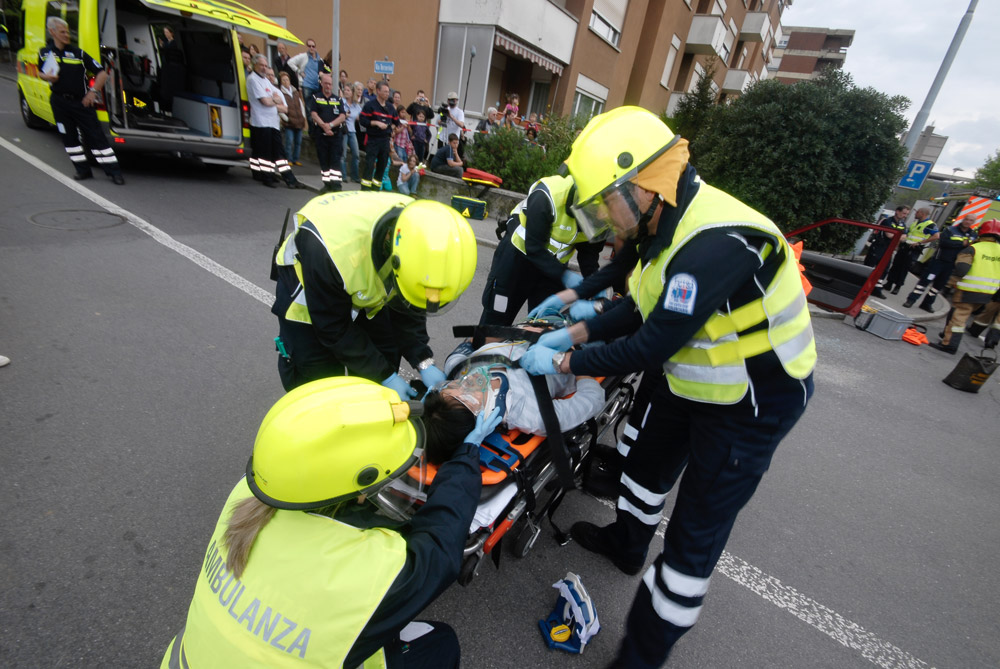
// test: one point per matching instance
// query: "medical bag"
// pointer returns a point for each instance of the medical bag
(469, 207)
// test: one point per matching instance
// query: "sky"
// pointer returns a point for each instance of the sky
(899, 46)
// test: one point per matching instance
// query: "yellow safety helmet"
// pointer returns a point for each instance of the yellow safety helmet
(611, 151)
(330, 440)
(433, 255)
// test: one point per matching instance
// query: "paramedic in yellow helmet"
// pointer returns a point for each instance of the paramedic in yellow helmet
(356, 280)
(717, 319)
(303, 568)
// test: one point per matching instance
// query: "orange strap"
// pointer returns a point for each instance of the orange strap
(797, 250)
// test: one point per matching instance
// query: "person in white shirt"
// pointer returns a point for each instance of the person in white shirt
(267, 157)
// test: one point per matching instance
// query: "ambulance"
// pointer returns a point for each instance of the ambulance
(209, 116)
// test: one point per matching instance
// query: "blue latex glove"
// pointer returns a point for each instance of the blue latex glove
(557, 340)
(432, 376)
(550, 305)
(484, 427)
(571, 279)
(582, 310)
(400, 385)
(537, 360)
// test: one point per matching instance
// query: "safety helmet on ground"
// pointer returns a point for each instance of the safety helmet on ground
(610, 152)
(330, 440)
(433, 255)
(990, 227)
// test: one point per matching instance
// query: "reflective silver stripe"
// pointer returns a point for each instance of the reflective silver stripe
(630, 431)
(647, 496)
(682, 584)
(103, 152)
(792, 348)
(561, 250)
(177, 659)
(790, 312)
(74, 149)
(728, 374)
(647, 518)
(667, 609)
(105, 161)
(78, 159)
(624, 448)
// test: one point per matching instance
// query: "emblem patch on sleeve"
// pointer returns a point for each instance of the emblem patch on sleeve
(681, 293)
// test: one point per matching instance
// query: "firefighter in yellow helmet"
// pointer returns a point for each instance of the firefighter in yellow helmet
(356, 280)
(718, 321)
(303, 568)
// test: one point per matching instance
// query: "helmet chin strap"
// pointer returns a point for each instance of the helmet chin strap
(642, 217)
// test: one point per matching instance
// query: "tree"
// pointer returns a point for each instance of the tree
(694, 109)
(988, 176)
(804, 152)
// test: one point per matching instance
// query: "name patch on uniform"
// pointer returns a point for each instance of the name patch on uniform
(681, 293)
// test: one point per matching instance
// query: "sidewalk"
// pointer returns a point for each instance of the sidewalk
(895, 302)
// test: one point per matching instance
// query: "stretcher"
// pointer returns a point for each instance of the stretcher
(522, 481)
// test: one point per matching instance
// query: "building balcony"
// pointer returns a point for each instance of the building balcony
(540, 25)
(756, 25)
(706, 36)
(736, 81)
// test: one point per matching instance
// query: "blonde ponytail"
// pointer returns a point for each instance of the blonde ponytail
(248, 519)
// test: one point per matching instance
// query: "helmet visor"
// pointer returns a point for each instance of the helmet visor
(611, 210)
(399, 497)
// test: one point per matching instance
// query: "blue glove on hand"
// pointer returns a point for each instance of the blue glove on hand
(571, 279)
(537, 360)
(550, 305)
(484, 427)
(400, 385)
(432, 376)
(557, 340)
(582, 310)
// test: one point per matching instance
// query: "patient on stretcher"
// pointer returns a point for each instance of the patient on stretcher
(450, 411)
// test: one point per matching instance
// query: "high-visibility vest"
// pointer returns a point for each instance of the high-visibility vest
(343, 223)
(984, 275)
(711, 367)
(918, 232)
(564, 234)
(311, 585)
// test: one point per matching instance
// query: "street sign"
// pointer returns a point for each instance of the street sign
(384, 66)
(916, 172)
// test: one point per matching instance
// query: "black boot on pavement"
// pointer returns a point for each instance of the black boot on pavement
(118, 179)
(877, 292)
(952, 346)
(895, 290)
(81, 176)
(598, 540)
(927, 305)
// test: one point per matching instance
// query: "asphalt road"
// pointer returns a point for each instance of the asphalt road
(139, 379)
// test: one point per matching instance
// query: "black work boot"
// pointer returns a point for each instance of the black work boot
(910, 300)
(952, 345)
(992, 338)
(928, 304)
(975, 329)
(877, 292)
(895, 290)
(599, 540)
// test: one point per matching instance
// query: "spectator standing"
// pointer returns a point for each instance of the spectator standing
(409, 176)
(309, 66)
(369, 92)
(280, 64)
(327, 115)
(65, 69)
(420, 103)
(267, 157)
(294, 121)
(456, 117)
(446, 160)
(511, 110)
(938, 271)
(401, 135)
(377, 118)
(489, 124)
(397, 99)
(247, 62)
(350, 136)
(421, 137)
(345, 82)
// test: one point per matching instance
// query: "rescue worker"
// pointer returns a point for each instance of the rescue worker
(938, 270)
(975, 280)
(987, 318)
(718, 321)
(922, 231)
(357, 278)
(298, 572)
(377, 118)
(65, 68)
(880, 244)
(326, 112)
(530, 262)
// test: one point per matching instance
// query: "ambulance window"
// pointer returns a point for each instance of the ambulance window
(68, 12)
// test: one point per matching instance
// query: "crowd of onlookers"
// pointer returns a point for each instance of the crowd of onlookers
(372, 118)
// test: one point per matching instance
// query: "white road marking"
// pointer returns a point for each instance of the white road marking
(203, 261)
(814, 614)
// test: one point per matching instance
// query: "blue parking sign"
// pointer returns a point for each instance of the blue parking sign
(916, 172)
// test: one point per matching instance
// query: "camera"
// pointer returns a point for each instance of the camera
(443, 112)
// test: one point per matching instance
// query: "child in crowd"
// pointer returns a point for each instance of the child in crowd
(510, 111)
(401, 135)
(421, 137)
(409, 176)
(533, 123)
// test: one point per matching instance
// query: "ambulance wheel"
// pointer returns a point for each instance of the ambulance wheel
(28, 116)
(525, 539)
(468, 570)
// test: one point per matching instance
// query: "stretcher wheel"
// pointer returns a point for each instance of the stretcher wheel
(468, 571)
(525, 539)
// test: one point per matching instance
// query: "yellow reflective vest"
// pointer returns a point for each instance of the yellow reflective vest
(918, 232)
(711, 367)
(343, 222)
(564, 234)
(309, 589)
(984, 275)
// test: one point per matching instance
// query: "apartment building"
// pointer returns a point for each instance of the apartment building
(802, 53)
(559, 56)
